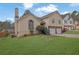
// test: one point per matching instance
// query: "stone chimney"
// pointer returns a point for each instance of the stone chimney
(16, 14)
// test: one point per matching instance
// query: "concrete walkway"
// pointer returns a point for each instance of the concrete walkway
(69, 35)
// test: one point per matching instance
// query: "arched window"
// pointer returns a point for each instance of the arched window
(31, 25)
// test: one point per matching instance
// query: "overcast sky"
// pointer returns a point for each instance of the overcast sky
(7, 10)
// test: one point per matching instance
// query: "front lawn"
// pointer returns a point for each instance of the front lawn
(72, 32)
(39, 45)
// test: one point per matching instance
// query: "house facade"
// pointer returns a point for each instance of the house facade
(25, 24)
(54, 22)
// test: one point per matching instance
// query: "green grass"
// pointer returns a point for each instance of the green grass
(72, 32)
(39, 45)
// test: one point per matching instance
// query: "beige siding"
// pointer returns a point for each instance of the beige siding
(23, 25)
(15, 29)
(56, 19)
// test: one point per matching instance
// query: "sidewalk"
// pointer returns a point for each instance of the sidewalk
(69, 35)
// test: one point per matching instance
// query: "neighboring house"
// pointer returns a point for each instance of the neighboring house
(76, 25)
(68, 21)
(26, 24)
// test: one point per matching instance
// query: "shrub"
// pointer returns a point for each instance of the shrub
(42, 29)
(46, 31)
(39, 28)
(12, 36)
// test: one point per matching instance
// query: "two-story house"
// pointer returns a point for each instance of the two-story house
(68, 21)
(54, 22)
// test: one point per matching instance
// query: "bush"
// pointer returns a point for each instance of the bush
(12, 36)
(46, 31)
(42, 29)
(39, 28)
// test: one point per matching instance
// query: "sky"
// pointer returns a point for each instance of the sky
(7, 10)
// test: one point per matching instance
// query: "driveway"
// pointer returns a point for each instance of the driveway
(69, 35)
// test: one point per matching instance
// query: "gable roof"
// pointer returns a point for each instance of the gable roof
(48, 15)
(40, 18)
(28, 12)
(63, 16)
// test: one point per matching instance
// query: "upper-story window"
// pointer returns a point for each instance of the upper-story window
(59, 21)
(65, 21)
(70, 22)
(53, 21)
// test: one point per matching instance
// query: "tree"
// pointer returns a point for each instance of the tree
(5, 25)
(75, 15)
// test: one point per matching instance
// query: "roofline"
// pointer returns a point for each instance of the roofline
(48, 15)
(40, 18)
(30, 14)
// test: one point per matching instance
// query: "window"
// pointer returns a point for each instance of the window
(65, 21)
(70, 22)
(59, 21)
(31, 25)
(53, 21)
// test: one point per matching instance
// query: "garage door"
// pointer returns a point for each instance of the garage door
(58, 30)
(69, 28)
(52, 31)
(55, 31)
